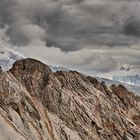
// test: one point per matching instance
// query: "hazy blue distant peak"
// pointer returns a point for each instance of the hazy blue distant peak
(131, 79)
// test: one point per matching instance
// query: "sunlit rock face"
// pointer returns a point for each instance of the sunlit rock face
(38, 104)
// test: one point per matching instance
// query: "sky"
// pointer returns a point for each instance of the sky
(96, 37)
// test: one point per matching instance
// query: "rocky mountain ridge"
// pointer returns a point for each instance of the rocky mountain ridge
(8, 57)
(38, 104)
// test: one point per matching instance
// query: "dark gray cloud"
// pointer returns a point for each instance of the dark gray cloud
(67, 28)
(132, 27)
(71, 25)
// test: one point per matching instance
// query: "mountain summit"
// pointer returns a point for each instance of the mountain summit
(38, 104)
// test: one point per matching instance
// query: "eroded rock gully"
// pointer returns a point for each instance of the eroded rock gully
(37, 104)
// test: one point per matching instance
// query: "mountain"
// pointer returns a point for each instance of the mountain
(131, 87)
(8, 57)
(38, 104)
(131, 79)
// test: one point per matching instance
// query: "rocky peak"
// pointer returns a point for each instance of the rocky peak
(29, 66)
(37, 104)
(32, 73)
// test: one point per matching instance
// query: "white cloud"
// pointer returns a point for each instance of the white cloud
(3, 36)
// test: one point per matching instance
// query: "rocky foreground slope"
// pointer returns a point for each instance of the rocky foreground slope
(37, 104)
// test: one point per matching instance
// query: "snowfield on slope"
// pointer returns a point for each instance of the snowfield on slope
(8, 57)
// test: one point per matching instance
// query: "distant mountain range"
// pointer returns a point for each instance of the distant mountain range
(130, 79)
(130, 87)
(8, 57)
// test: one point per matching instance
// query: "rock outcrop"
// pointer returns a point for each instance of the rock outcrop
(37, 104)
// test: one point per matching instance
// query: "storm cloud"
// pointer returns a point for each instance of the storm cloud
(71, 25)
(83, 34)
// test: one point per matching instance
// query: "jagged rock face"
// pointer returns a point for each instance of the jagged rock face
(32, 73)
(37, 104)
